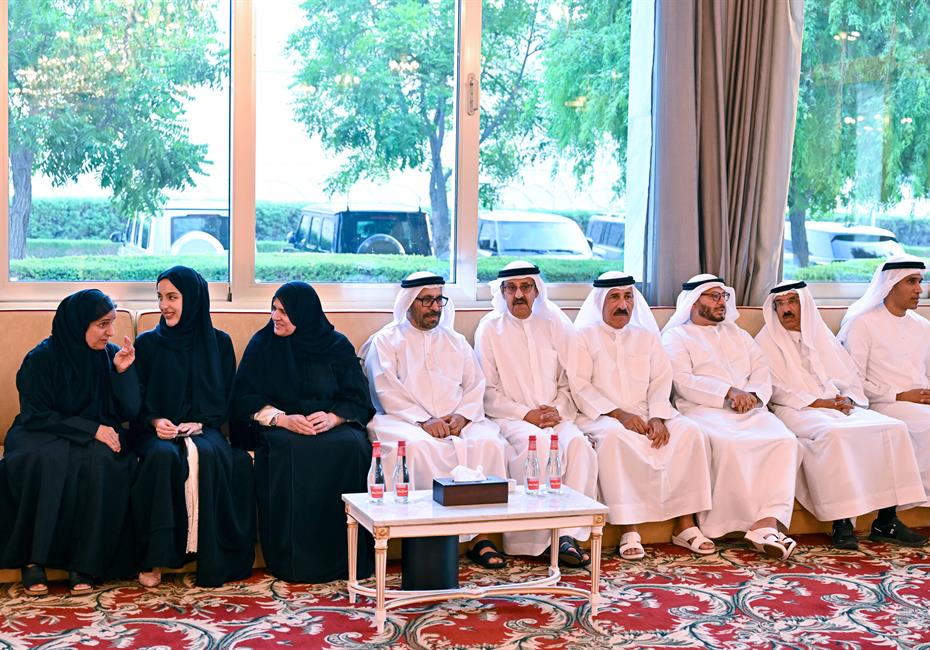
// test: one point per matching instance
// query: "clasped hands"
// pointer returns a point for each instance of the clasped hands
(839, 403)
(447, 425)
(309, 425)
(916, 395)
(543, 416)
(741, 401)
(168, 430)
(655, 429)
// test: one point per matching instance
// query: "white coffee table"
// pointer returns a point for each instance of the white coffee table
(423, 517)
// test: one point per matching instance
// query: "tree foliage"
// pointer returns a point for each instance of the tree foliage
(99, 86)
(863, 109)
(376, 84)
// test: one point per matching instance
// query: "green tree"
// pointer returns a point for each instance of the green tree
(99, 86)
(587, 83)
(376, 83)
(863, 109)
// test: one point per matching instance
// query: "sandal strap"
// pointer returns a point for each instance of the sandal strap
(483, 544)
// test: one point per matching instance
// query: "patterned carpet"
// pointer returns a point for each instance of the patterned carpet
(824, 598)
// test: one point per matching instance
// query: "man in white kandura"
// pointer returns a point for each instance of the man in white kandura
(428, 391)
(653, 463)
(524, 347)
(854, 460)
(890, 344)
(722, 382)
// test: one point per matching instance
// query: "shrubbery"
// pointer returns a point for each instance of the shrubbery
(850, 271)
(282, 267)
(96, 219)
(61, 247)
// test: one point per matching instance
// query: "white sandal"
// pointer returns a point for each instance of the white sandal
(697, 539)
(788, 543)
(768, 541)
(631, 541)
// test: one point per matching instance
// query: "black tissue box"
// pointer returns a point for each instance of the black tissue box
(468, 493)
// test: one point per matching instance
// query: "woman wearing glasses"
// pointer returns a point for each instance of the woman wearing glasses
(301, 402)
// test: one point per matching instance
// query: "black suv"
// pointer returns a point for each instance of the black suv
(328, 230)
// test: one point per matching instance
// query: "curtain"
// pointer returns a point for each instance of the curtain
(725, 93)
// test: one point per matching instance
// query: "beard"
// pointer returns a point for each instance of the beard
(709, 313)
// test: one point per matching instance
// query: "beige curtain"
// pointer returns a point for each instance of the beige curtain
(729, 75)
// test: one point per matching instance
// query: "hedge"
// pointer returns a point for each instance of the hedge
(850, 271)
(96, 219)
(62, 247)
(283, 267)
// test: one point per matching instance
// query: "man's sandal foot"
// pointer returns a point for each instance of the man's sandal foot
(492, 559)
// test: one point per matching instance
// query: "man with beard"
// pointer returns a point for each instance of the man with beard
(524, 347)
(722, 382)
(653, 462)
(428, 390)
(890, 345)
(855, 460)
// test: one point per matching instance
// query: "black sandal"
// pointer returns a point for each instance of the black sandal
(571, 554)
(485, 560)
(34, 580)
(79, 583)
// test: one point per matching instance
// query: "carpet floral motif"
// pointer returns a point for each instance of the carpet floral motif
(735, 599)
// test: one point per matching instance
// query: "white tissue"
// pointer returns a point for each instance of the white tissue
(462, 474)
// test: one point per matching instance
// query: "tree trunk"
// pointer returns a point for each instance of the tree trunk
(799, 237)
(21, 168)
(439, 201)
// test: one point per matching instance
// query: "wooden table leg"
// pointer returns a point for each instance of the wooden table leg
(381, 543)
(596, 539)
(352, 532)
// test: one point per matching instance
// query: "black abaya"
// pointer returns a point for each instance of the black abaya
(66, 493)
(299, 478)
(187, 375)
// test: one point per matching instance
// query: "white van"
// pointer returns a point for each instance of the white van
(519, 233)
(829, 241)
(187, 230)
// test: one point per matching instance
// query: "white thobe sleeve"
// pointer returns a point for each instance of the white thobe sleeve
(473, 387)
(591, 401)
(496, 402)
(567, 343)
(786, 394)
(760, 375)
(264, 415)
(859, 345)
(708, 391)
(660, 382)
(395, 398)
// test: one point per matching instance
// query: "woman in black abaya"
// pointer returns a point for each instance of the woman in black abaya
(66, 470)
(302, 402)
(193, 492)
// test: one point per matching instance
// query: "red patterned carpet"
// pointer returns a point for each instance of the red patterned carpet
(878, 597)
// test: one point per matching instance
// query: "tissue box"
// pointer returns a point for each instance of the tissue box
(449, 493)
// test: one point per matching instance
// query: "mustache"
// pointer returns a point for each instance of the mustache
(788, 314)
(621, 312)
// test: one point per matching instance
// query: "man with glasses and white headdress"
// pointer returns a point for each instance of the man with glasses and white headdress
(722, 382)
(428, 390)
(855, 460)
(890, 344)
(525, 346)
(653, 463)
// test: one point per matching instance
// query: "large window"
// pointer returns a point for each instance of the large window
(555, 85)
(860, 174)
(342, 143)
(118, 139)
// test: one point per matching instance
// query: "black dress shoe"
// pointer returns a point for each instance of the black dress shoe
(896, 533)
(843, 535)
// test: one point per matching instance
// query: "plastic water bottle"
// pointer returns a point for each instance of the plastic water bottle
(554, 466)
(531, 469)
(401, 477)
(376, 475)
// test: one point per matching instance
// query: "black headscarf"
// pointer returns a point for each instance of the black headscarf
(271, 367)
(187, 383)
(69, 328)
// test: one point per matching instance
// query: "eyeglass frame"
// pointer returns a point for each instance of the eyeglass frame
(716, 296)
(428, 301)
(524, 288)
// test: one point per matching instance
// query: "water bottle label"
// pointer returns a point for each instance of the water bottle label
(555, 484)
(402, 489)
(532, 484)
(376, 491)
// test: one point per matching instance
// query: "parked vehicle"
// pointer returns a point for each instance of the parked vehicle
(322, 229)
(829, 241)
(518, 233)
(176, 230)
(607, 232)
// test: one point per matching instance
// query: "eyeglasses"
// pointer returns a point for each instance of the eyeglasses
(717, 296)
(429, 301)
(525, 287)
